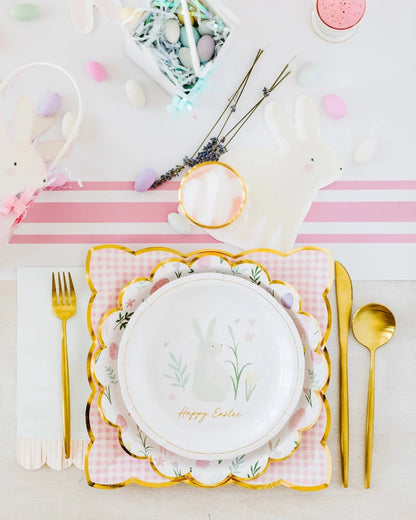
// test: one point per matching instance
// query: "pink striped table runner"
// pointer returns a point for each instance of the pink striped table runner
(375, 220)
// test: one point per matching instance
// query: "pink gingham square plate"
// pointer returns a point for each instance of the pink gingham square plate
(109, 269)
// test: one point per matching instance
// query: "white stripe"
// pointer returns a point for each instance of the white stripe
(130, 228)
(357, 227)
(108, 196)
(365, 195)
(172, 196)
(99, 228)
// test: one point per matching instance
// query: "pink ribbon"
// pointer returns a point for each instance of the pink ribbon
(18, 204)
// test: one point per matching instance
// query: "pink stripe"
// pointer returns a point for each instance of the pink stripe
(372, 185)
(362, 212)
(112, 239)
(116, 186)
(356, 239)
(77, 212)
(207, 239)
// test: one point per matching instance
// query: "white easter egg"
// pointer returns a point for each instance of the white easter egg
(204, 28)
(184, 56)
(135, 93)
(172, 30)
(179, 223)
(365, 150)
(308, 74)
(68, 122)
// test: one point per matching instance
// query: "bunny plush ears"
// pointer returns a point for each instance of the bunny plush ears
(82, 12)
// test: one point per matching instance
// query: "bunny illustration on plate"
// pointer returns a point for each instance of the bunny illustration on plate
(281, 184)
(211, 380)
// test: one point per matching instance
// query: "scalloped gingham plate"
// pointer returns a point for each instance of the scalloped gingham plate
(203, 472)
(109, 268)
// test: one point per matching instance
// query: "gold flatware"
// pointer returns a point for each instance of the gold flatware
(344, 300)
(64, 306)
(373, 326)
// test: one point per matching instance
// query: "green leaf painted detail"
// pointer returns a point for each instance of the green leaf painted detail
(235, 364)
(255, 275)
(123, 319)
(179, 375)
(112, 376)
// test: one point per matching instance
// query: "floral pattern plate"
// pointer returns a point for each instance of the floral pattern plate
(165, 462)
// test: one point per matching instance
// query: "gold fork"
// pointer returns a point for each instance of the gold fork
(64, 306)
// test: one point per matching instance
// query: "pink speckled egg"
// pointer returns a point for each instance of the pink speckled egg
(334, 106)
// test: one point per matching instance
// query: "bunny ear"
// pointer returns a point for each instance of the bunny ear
(280, 125)
(23, 121)
(211, 327)
(307, 117)
(197, 329)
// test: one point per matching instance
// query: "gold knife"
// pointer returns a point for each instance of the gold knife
(344, 300)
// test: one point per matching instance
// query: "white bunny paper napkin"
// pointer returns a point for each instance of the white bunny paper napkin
(39, 406)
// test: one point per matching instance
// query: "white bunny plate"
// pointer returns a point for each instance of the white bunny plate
(165, 462)
(183, 361)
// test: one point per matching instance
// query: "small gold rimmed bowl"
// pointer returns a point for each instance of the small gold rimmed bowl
(212, 195)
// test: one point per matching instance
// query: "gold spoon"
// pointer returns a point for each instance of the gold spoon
(373, 326)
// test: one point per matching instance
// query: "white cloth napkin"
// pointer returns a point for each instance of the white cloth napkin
(39, 404)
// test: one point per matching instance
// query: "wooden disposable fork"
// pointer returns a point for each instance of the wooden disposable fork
(64, 306)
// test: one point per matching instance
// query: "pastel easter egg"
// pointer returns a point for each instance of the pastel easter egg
(96, 71)
(25, 12)
(135, 93)
(182, 19)
(204, 28)
(308, 74)
(145, 179)
(179, 223)
(67, 125)
(172, 30)
(50, 104)
(184, 36)
(206, 48)
(365, 150)
(334, 106)
(184, 56)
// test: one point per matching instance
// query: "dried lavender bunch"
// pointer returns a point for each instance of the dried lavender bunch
(216, 146)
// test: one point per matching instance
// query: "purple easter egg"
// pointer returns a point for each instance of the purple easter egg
(50, 104)
(145, 179)
(206, 48)
(287, 300)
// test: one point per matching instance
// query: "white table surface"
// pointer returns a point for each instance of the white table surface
(48, 494)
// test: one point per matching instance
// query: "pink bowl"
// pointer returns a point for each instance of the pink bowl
(340, 14)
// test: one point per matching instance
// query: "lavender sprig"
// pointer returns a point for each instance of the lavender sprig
(216, 146)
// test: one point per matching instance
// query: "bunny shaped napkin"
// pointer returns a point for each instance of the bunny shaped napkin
(281, 184)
